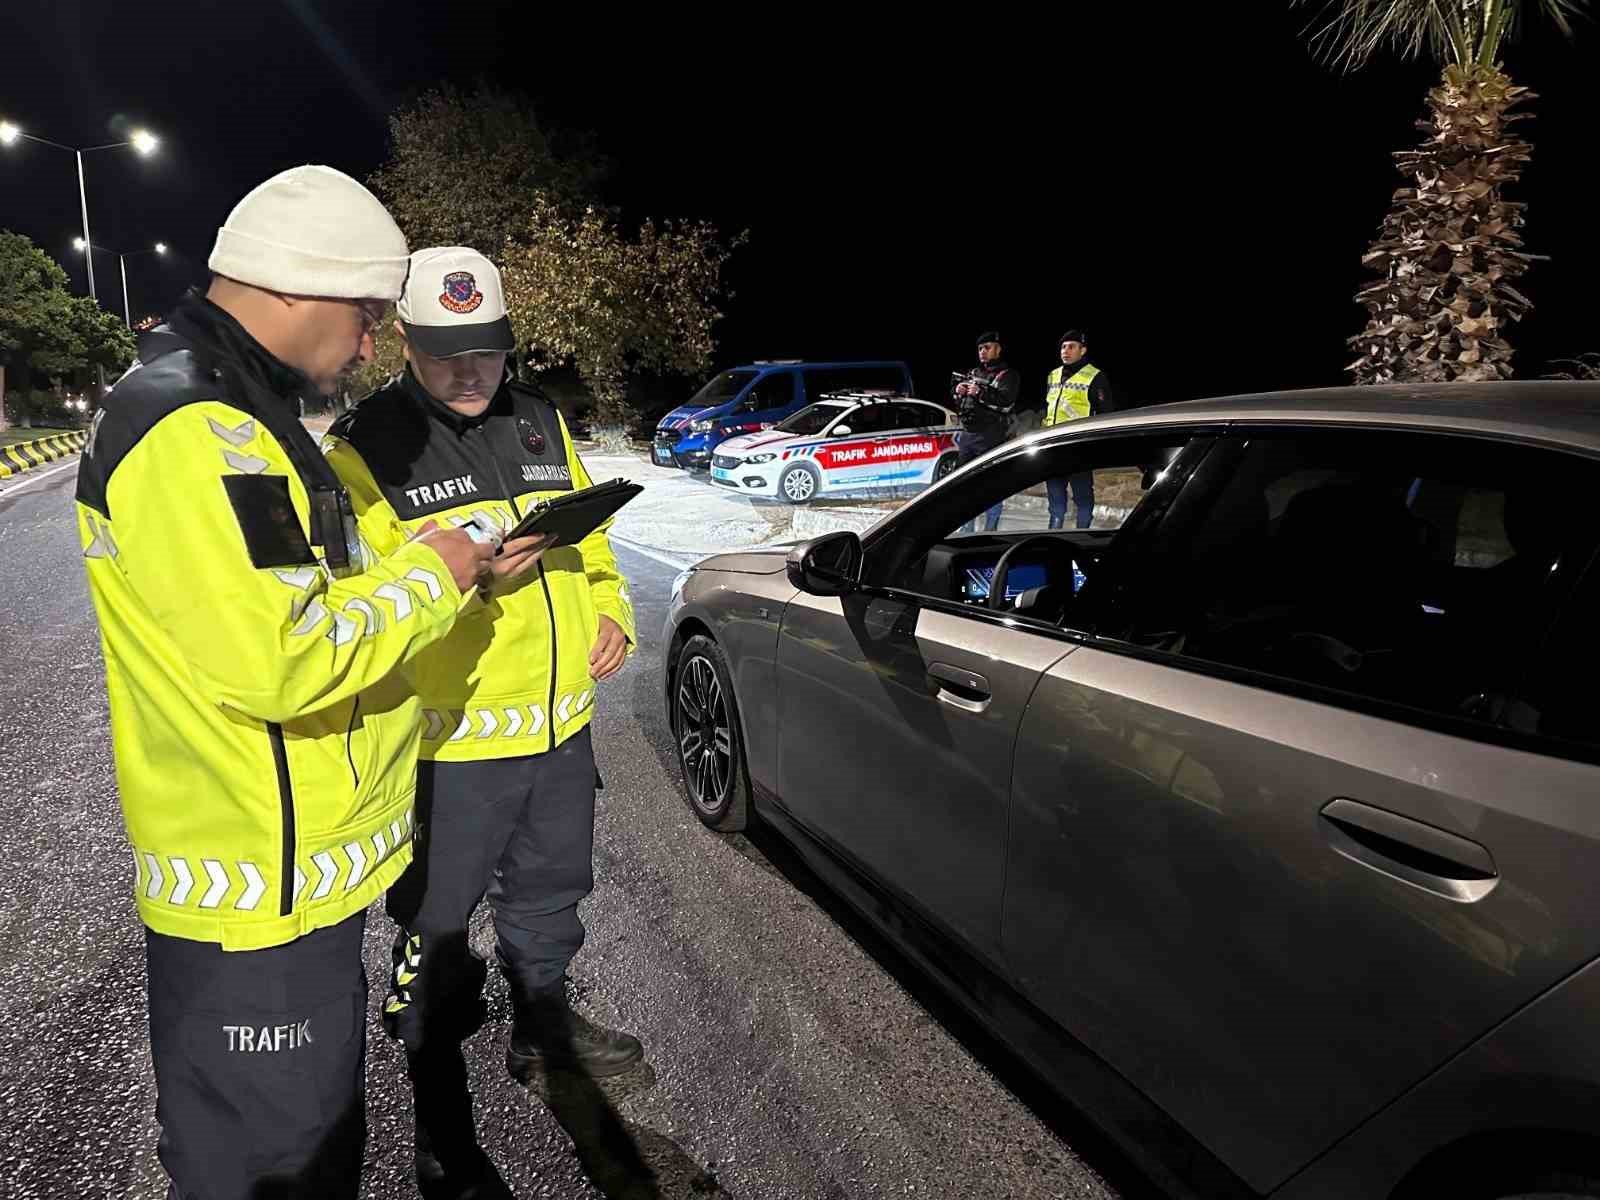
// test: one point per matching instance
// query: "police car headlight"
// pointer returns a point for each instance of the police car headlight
(679, 580)
(702, 426)
(759, 458)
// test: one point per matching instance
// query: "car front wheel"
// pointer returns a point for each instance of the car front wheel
(705, 726)
(798, 484)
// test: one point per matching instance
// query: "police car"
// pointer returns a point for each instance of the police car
(847, 441)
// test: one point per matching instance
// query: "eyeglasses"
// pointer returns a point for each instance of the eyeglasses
(372, 314)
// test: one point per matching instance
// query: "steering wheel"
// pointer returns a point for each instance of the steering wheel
(997, 585)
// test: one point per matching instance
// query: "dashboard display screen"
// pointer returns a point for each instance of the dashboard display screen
(1019, 579)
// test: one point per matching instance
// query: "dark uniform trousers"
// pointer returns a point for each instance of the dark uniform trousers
(520, 830)
(974, 443)
(259, 1058)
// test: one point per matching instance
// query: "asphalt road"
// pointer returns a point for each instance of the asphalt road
(791, 1055)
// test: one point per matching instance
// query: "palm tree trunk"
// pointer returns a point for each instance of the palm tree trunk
(1449, 249)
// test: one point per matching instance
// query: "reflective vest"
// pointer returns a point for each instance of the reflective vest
(512, 679)
(265, 741)
(1068, 400)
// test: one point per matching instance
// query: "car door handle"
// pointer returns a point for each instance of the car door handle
(959, 687)
(1422, 855)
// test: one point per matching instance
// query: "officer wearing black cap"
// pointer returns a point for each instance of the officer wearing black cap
(986, 399)
(1076, 389)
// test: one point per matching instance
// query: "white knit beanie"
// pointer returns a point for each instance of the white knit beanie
(313, 231)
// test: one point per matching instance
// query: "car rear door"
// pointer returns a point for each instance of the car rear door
(1285, 838)
(906, 453)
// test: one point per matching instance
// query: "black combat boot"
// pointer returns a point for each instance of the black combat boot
(547, 1035)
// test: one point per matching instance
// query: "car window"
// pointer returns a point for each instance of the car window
(919, 416)
(1412, 569)
(871, 418)
(811, 419)
(1555, 698)
(721, 389)
(897, 416)
(942, 546)
(1096, 491)
(773, 391)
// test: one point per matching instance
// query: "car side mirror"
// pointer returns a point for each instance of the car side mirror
(827, 566)
(840, 431)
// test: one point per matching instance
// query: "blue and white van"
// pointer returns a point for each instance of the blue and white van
(745, 399)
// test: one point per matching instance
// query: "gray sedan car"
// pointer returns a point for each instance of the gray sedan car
(1237, 762)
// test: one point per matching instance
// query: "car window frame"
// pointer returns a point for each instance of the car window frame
(1130, 535)
(1496, 733)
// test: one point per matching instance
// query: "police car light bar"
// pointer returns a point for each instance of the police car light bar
(778, 362)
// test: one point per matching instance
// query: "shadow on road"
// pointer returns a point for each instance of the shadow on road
(623, 1159)
(762, 844)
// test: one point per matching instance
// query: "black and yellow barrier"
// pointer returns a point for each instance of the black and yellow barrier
(24, 456)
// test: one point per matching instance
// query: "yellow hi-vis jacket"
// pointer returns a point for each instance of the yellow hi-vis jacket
(512, 678)
(265, 742)
(1067, 399)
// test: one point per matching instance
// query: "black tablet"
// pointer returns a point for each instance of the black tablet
(573, 517)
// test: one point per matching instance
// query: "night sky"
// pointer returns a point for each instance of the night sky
(1195, 192)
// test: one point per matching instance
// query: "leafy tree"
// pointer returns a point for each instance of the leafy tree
(46, 332)
(583, 289)
(466, 168)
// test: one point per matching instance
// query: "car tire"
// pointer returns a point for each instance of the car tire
(705, 730)
(945, 465)
(799, 483)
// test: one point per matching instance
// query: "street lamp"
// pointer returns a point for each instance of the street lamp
(142, 140)
(82, 247)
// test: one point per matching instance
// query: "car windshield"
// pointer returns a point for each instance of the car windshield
(721, 389)
(812, 418)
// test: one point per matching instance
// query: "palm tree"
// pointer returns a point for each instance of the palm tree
(1449, 250)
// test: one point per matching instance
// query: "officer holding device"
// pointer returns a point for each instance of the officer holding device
(506, 785)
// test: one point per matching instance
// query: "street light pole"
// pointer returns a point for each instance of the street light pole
(142, 140)
(83, 203)
(122, 262)
(144, 143)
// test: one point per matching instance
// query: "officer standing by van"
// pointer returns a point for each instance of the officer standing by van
(986, 400)
(1076, 389)
(506, 788)
(265, 743)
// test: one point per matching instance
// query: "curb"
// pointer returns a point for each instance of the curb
(24, 456)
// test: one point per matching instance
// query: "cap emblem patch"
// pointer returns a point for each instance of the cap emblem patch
(461, 294)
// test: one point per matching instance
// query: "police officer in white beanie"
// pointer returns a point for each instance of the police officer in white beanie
(265, 741)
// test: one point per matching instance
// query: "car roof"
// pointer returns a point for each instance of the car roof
(1550, 411)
